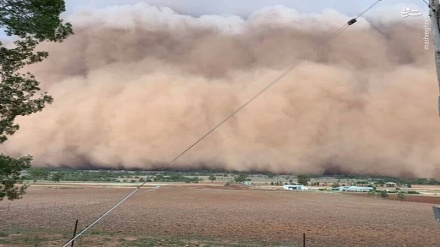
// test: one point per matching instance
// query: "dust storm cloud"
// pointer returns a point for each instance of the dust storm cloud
(137, 84)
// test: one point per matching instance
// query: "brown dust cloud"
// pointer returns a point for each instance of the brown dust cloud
(137, 84)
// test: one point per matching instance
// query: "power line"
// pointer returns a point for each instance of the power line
(429, 5)
(246, 103)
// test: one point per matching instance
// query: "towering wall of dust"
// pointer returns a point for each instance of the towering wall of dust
(138, 84)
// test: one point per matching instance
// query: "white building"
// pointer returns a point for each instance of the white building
(391, 184)
(354, 188)
(295, 187)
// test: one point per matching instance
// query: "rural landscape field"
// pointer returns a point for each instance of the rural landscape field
(212, 214)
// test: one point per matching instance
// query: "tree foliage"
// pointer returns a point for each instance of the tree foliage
(57, 176)
(38, 173)
(400, 196)
(10, 174)
(335, 185)
(302, 179)
(30, 22)
(212, 178)
(384, 194)
(240, 178)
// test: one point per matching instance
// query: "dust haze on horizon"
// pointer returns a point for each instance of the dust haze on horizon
(137, 84)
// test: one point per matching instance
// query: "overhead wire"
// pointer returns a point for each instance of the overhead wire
(241, 107)
(429, 5)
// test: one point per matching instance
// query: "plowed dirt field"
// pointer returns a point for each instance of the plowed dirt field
(213, 215)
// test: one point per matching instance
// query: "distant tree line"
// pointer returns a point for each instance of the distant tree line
(176, 178)
(36, 174)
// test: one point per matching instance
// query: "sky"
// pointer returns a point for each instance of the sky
(246, 7)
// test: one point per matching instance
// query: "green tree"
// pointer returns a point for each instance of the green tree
(240, 178)
(38, 173)
(361, 183)
(401, 196)
(384, 194)
(57, 176)
(335, 185)
(30, 22)
(432, 181)
(302, 179)
(10, 175)
(212, 178)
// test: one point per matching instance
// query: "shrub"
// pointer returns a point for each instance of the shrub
(335, 185)
(413, 192)
(384, 194)
(401, 196)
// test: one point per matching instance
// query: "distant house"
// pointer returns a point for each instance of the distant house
(390, 184)
(248, 183)
(295, 187)
(353, 188)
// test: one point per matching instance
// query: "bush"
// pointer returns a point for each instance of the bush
(413, 192)
(384, 194)
(401, 196)
(335, 185)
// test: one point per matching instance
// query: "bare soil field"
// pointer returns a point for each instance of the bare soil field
(435, 200)
(212, 215)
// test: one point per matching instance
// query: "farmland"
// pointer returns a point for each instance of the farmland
(210, 214)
